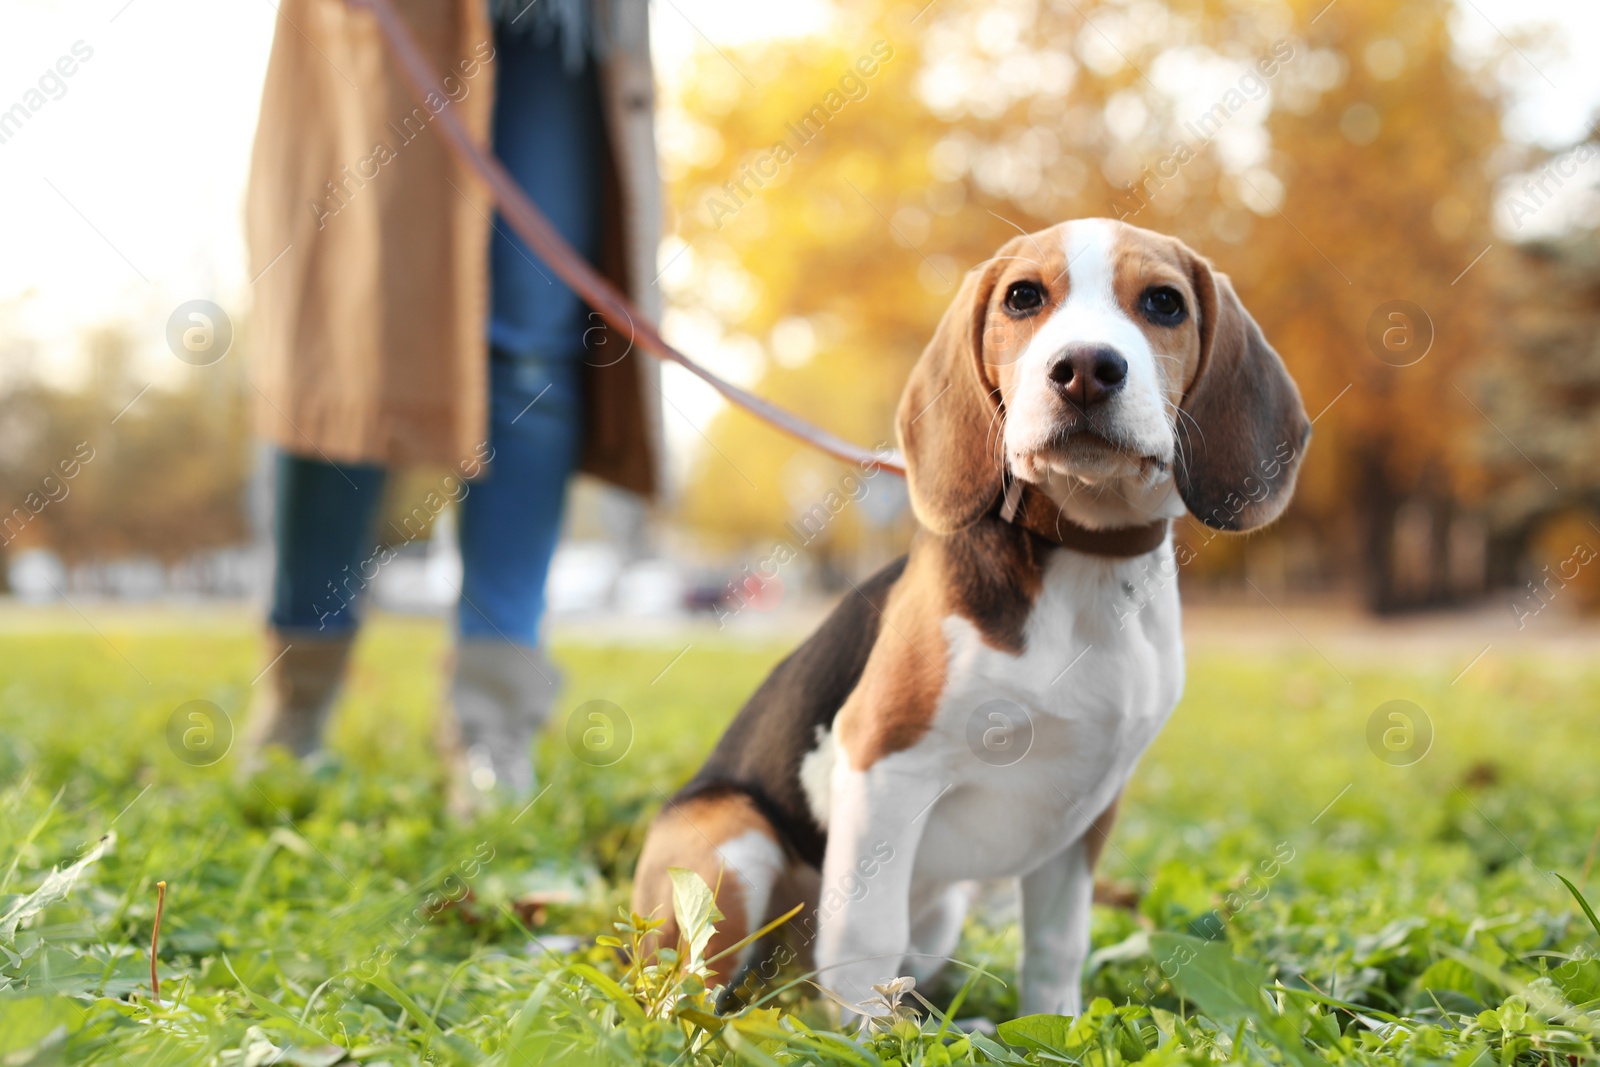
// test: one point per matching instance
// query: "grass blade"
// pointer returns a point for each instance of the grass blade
(1582, 903)
(759, 934)
(302, 1032)
(454, 1046)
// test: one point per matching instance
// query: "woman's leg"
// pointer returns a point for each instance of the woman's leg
(548, 130)
(323, 518)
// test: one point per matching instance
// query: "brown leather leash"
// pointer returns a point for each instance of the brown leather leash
(594, 288)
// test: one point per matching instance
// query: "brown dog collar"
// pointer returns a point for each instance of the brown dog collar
(1027, 507)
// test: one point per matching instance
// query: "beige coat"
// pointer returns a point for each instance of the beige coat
(369, 244)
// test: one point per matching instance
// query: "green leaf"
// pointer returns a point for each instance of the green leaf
(1324, 1027)
(1448, 974)
(1579, 980)
(57, 884)
(705, 1020)
(32, 1028)
(1229, 990)
(996, 1052)
(1044, 1032)
(621, 997)
(1130, 1041)
(696, 911)
(1206, 972)
(325, 1056)
(747, 1049)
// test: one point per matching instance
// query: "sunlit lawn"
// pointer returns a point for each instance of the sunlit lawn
(298, 909)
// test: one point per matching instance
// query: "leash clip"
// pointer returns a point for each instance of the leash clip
(1013, 497)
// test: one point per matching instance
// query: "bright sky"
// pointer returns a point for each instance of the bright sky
(123, 192)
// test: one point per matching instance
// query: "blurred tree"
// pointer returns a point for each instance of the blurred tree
(802, 265)
(163, 478)
(1545, 390)
(1388, 188)
(1332, 158)
(1544, 393)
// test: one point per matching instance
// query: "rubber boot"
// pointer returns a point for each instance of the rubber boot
(297, 693)
(501, 694)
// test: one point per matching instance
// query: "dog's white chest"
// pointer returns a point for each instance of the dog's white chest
(1028, 749)
(1036, 746)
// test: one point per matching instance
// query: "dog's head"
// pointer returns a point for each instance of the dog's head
(1099, 357)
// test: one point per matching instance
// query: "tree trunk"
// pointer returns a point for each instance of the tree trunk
(1380, 502)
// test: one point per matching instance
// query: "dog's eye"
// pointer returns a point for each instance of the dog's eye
(1162, 305)
(1024, 297)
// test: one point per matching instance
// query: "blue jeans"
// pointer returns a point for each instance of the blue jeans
(548, 130)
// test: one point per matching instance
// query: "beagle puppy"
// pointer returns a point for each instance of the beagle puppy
(975, 709)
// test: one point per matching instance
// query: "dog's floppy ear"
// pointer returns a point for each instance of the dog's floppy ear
(1243, 429)
(948, 421)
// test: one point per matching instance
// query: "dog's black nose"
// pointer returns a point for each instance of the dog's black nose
(1088, 373)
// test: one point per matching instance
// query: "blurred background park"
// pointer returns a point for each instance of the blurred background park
(1405, 194)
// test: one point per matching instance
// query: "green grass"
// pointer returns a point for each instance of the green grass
(302, 920)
